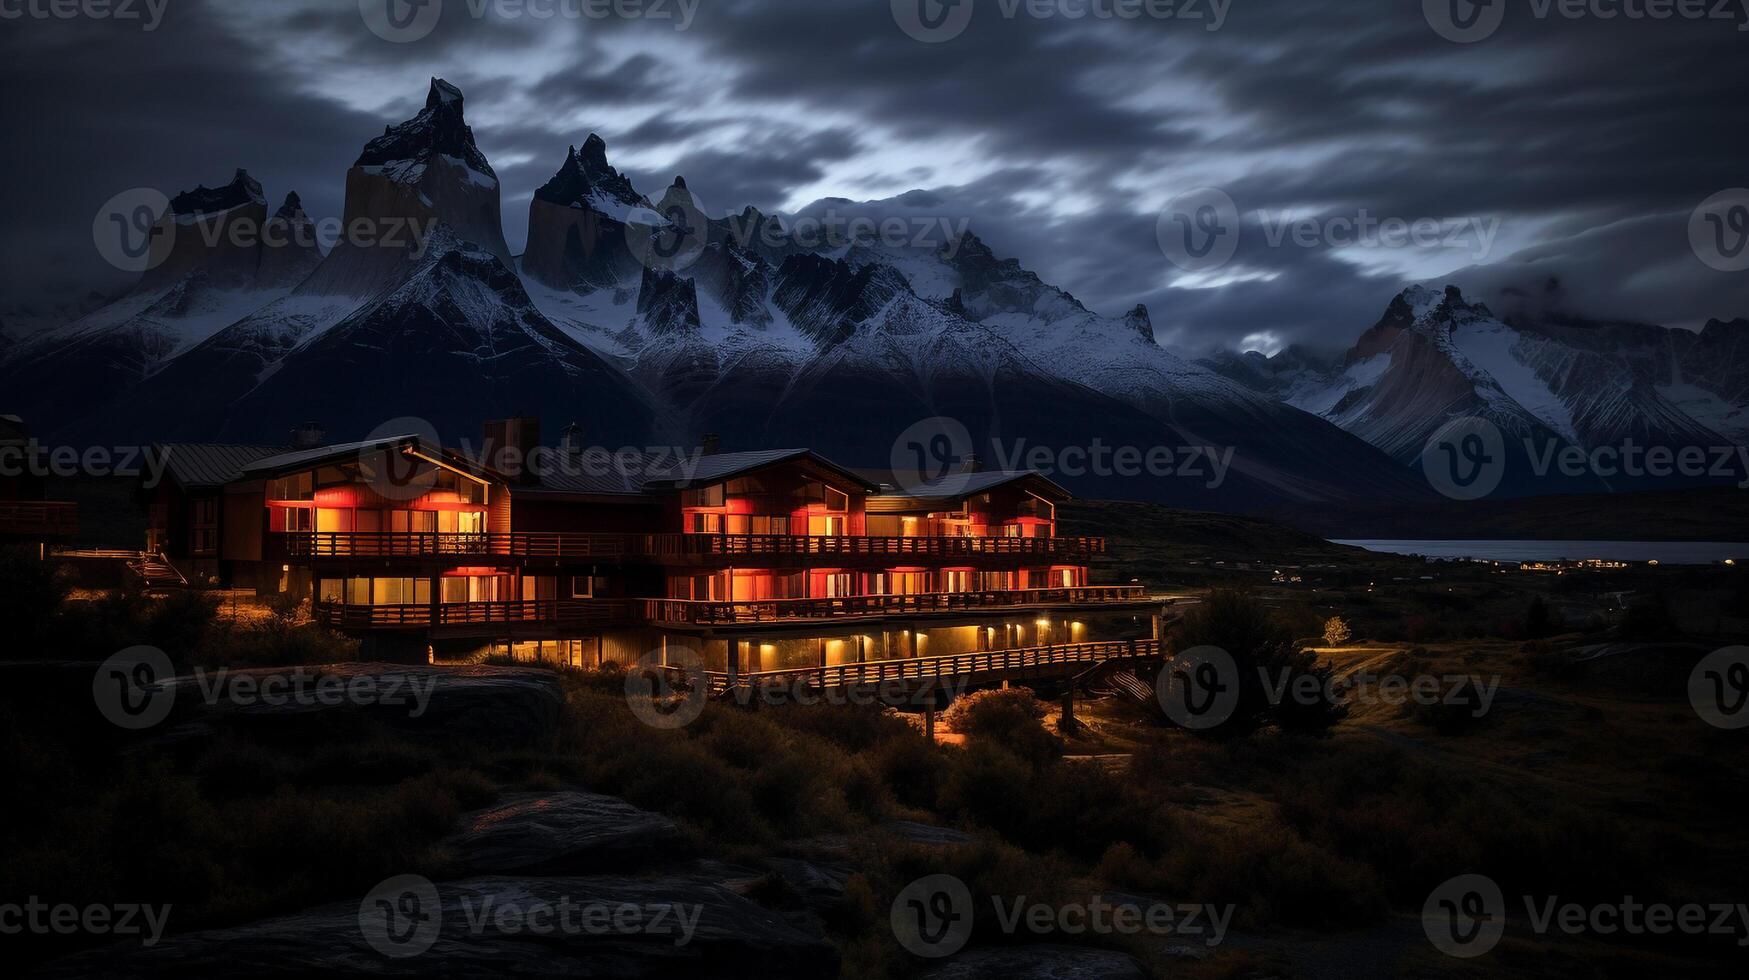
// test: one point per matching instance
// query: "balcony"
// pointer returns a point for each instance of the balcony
(38, 519)
(1064, 658)
(558, 613)
(708, 613)
(388, 544)
(605, 613)
(618, 547)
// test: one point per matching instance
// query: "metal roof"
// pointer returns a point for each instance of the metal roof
(212, 465)
(956, 486)
(723, 466)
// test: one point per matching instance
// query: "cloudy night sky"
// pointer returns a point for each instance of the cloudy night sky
(1584, 144)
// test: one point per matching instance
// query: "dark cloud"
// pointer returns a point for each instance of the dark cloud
(1588, 141)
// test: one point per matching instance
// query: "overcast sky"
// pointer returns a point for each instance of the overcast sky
(1576, 148)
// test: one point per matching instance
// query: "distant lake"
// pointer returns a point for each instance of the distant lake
(1664, 552)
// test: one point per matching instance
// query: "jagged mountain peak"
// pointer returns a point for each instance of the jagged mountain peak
(1138, 320)
(243, 189)
(440, 129)
(586, 180)
(292, 209)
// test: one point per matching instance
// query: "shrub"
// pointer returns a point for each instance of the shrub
(1011, 718)
(1265, 655)
(31, 594)
(1337, 631)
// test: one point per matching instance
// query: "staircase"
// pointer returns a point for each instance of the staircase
(156, 574)
(1133, 688)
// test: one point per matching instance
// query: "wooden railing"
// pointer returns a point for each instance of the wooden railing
(860, 546)
(397, 544)
(540, 544)
(702, 612)
(52, 518)
(616, 612)
(932, 668)
(580, 613)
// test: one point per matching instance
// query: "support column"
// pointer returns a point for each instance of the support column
(1159, 625)
(1068, 723)
(929, 722)
(734, 651)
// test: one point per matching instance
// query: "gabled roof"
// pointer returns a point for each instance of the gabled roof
(210, 465)
(725, 466)
(349, 451)
(957, 486)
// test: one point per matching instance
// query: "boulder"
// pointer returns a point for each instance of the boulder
(1043, 962)
(496, 926)
(501, 705)
(567, 832)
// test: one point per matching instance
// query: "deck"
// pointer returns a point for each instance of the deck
(968, 669)
(676, 547)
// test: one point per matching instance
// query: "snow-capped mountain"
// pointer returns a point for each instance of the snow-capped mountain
(425, 318)
(221, 262)
(1547, 380)
(752, 332)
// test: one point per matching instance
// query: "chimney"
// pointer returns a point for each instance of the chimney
(571, 443)
(308, 436)
(972, 463)
(510, 446)
(711, 444)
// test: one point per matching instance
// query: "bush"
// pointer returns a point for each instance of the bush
(31, 594)
(1266, 657)
(1012, 719)
(1337, 632)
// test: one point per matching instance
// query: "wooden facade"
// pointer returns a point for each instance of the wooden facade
(740, 553)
